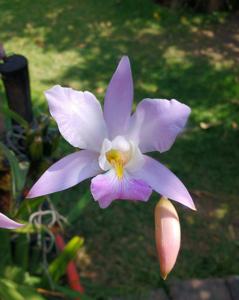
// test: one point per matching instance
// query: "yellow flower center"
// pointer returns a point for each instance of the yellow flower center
(118, 159)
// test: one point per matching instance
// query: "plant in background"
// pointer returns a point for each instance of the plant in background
(34, 143)
(28, 269)
(114, 143)
(13, 186)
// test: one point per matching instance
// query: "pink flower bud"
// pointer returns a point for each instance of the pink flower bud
(167, 235)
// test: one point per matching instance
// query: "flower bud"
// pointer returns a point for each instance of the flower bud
(167, 235)
(36, 148)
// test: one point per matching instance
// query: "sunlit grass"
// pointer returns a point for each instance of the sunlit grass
(174, 55)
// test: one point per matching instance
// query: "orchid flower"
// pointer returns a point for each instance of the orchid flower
(114, 143)
(7, 223)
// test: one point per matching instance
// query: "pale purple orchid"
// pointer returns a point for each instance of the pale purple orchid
(7, 223)
(114, 143)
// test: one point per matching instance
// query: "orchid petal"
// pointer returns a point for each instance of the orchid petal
(66, 173)
(167, 235)
(79, 117)
(107, 187)
(5, 222)
(163, 181)
(156, 123)
(118, 99)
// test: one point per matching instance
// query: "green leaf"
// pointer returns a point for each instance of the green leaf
(19, 276)
(9, 290)
(28, 228)
(79, 207)
(14, 274)
(21, 256)
(28, 206)
(70, 293)
(5, 248)
(58, 267)
(18, 171)
(33, 281)
(15, 116)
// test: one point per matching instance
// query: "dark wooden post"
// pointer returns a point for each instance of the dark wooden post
(214, 5)
(15, 76)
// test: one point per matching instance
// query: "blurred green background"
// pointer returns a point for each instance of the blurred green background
(178, 54)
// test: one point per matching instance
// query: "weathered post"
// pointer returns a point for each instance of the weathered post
(15, 76)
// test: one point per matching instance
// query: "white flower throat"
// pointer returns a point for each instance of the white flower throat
(120, 154)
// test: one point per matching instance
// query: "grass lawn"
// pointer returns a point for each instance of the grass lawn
(180, 55)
